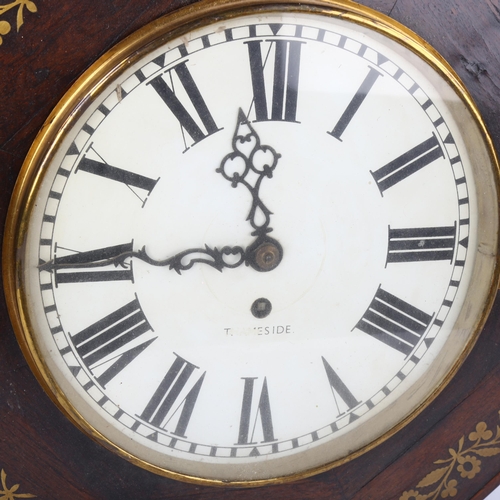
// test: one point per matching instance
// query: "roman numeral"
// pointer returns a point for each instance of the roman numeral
(66, 268)
(408, 163)
(338, 387)
(421, 244)
(284, 80)
(158, 410)
(394, 322)
(171, 98)
(355, 103)
(130, 179)
(262, 411)
(97, 343)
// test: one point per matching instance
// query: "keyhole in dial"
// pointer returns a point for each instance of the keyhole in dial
(261, 308)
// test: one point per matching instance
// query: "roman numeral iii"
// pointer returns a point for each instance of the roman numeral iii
(394, 322)
(71, 268)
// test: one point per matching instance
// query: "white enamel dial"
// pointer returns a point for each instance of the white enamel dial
(251, 253)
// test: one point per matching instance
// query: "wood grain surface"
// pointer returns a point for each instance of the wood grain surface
(48, 457)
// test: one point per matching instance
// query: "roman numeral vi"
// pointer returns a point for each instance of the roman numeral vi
(261, 410)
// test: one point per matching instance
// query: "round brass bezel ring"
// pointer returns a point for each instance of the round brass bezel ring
(93, 81)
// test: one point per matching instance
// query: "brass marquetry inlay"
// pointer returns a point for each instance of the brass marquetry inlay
(5, 26)
(10, 493)
(464, 463)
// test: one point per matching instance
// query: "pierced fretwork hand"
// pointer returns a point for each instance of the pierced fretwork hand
(263, 254)
(250, 156)
(229, 257)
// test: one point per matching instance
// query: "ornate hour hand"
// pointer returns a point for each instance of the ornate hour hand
(249, 164)
(250, 161)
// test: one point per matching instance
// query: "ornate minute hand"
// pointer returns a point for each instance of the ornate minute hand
(182, 261)
(263, 254)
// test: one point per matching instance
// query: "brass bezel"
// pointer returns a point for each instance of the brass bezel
(93, 81)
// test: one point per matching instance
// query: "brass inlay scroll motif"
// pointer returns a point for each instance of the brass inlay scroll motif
(464, 463)
(5, 26)
(10, 493)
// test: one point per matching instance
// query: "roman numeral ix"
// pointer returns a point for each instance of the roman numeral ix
(421, 244)
(260, 410)
(174, 102)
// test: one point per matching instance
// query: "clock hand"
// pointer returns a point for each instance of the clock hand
(263, 254)
(181, 261)
(249, 159)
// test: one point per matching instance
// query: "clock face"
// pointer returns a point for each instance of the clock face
(254, 250)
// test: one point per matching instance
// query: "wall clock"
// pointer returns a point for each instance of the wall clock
(248, 95)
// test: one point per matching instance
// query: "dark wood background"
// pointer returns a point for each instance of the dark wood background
(48, 457)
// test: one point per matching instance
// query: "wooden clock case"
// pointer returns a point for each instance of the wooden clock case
(43, 453)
